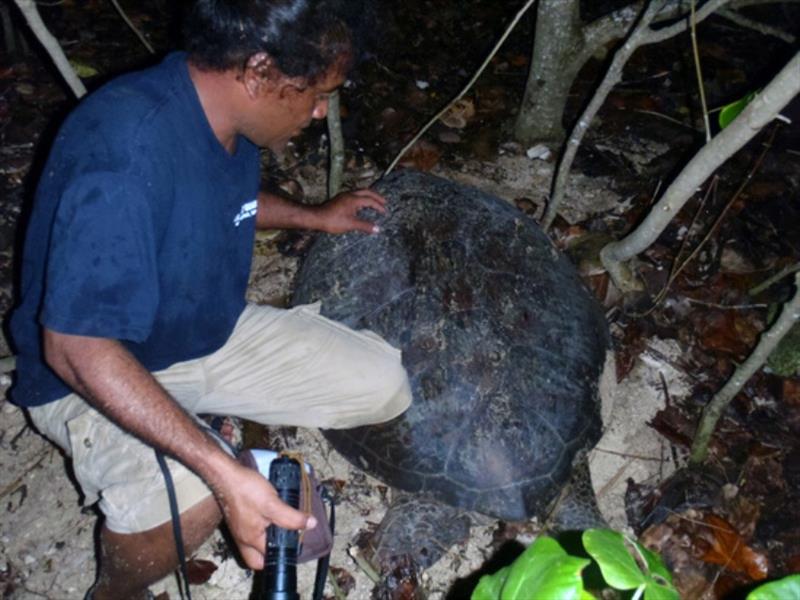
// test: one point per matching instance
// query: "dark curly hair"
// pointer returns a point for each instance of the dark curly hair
(304, 37)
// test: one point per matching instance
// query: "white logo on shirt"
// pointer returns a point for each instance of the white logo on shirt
(247, 211)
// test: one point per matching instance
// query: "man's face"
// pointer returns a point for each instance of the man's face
(282, 110)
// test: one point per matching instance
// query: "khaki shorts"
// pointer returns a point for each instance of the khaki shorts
(287, 367)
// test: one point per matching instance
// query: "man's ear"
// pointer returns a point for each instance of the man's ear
(260, 74)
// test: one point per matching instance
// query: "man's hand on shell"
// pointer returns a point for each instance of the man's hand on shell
(340, 213)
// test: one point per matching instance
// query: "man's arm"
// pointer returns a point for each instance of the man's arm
(104, 373)
(337, 215)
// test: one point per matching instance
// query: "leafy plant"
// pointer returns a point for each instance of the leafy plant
(730, 111)
(545, 570)
(787, 588)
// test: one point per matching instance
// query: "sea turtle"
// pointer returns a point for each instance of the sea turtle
(503, 346)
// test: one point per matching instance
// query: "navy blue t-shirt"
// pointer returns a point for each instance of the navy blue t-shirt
(141, 231)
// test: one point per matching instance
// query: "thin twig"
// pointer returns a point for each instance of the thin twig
(741, 20)
(627, 455)
(774, 279)
(677, 265)
(667, 117)
(668, 404)
(133, 27)
(699, 71)
(467, 87)
(677, 271)
(725, 306)
(11, 487)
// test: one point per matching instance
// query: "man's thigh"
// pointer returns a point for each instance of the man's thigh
(296, 367)
(283, 367)
(115, 467)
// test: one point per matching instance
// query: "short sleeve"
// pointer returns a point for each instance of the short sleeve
(101, 276)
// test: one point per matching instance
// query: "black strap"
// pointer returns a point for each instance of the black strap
(324, 561)
(176, 527)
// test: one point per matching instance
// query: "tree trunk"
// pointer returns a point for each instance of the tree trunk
(557, 57)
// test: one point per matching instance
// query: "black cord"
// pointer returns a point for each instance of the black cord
(324, 562)
(176, 526)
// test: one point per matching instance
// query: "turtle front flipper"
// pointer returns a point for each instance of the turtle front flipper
(414, 534)
(576, 508)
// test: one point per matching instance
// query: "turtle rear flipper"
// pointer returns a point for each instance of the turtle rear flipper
(415, 532)
(575, 508)
(418, 527)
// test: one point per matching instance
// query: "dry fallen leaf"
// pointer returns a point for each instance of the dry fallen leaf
(724, 546)
(422, 156)
(199, 571)
(458, 115)
(729, 332)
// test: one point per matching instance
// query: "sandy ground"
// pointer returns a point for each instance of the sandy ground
(47, 541)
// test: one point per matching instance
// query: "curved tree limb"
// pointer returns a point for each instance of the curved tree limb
(768, 342)
(50, 43)
(765, 107)
(612, 77)
(642, 35)
(616, 24)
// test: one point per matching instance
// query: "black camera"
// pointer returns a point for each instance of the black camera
(283, 545)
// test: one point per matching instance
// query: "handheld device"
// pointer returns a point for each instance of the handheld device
(280, 559)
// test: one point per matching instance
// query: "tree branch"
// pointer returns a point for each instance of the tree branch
(766, 106)
(768, 342)
(659, 35)
(612, 77)
(749, 23)
(34, 20)
(642, 35)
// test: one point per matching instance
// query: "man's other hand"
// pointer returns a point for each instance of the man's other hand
(340, 213)
(250, 505)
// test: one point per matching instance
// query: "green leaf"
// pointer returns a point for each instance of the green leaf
(614, 555)
(619, 568)
(489, 586)
(545, 570)
(787, 588)
(83, 70)
(730, 111)
(654, 564)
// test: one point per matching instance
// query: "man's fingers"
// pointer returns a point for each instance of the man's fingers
(287, 517)
(252, 557)
(368, 193)
(370, 202)
(365, 198)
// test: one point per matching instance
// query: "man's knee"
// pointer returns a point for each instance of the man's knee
(381, 396)
(396, 397)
